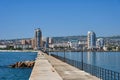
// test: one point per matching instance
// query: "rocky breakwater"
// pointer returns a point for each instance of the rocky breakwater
(23, 64)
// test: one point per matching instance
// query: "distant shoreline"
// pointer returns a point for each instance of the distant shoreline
(84, 51)
(18, 51)
(50, 51)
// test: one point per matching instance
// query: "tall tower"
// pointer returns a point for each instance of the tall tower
(100, 43)
(38, 39)
(91, 40)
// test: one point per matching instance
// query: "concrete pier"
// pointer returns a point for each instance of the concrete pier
(49, 68)
(43, 70)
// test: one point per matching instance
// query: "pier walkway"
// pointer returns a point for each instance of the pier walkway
(43, 70)
(49, 68)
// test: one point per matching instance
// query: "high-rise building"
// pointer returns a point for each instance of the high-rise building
(49, 41)
(100, 43)
(38, 39)
(91, 40)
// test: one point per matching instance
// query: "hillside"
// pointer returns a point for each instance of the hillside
(68, 38)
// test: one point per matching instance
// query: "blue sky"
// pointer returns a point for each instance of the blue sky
(19, 18)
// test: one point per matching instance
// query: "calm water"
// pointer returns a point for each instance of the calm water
(7, 58)
(107, 60)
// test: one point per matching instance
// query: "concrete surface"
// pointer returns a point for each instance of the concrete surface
(49, 68)
(68, 72)
(43, 70)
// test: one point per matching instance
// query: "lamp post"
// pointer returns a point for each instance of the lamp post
(64, 54)
(82, 58)
(57, 55)
(49, 51)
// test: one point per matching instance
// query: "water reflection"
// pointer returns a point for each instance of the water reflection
(107, 60)
(93, 58)
(88, 57)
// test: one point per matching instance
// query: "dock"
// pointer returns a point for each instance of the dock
(49, 68)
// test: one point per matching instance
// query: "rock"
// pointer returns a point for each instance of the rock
(28, 64)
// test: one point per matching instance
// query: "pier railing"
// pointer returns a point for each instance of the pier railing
(103, 74)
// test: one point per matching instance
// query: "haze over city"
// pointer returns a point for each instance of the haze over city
(18, 19)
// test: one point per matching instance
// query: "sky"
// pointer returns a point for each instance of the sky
(19, 18)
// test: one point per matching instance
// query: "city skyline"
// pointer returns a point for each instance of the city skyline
(59, 18)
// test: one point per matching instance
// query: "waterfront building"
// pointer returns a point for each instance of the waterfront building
(91, 40)
(105, 48)
(23, 42)
(3, 46)
(73, 44)
(44, 42)
(62, 44)
(29, 41)
(26, 41)
(49, 41)
(38, 39)
(69, 44)
(82, 44)
(100, 43)
(33, 43)
(22, 46)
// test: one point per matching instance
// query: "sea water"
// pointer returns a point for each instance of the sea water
(8, 58)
